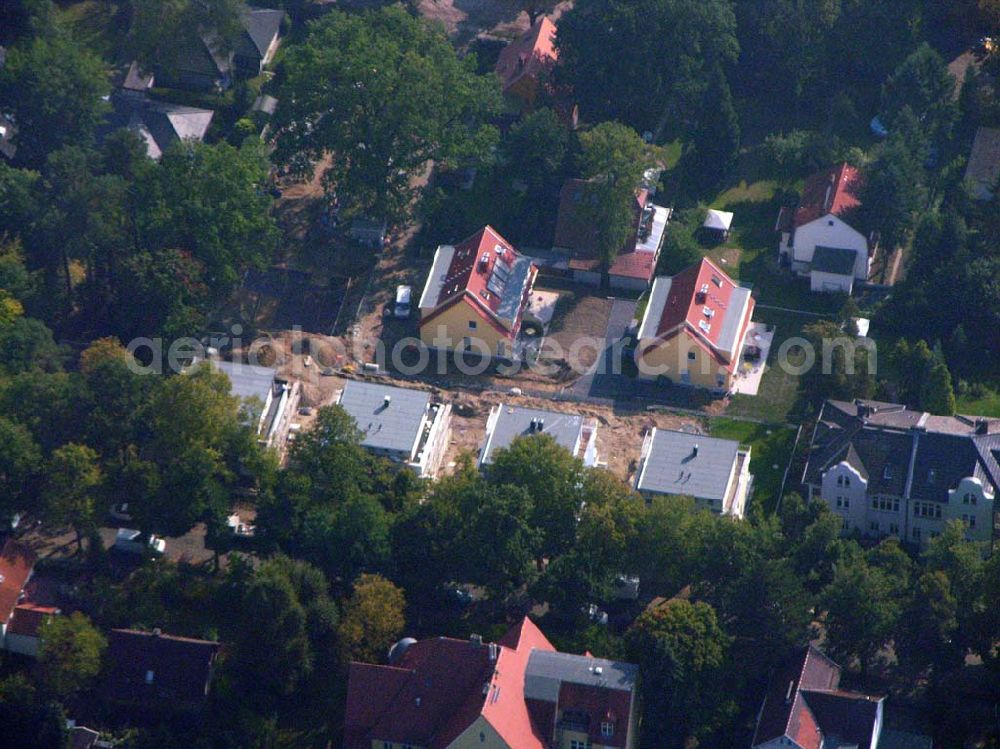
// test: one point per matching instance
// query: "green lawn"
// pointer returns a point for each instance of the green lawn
(778, 399)
(987, 404)
(770, 450)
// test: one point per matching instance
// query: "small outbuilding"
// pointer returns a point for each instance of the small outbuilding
(718, 223)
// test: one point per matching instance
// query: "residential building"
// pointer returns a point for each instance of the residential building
(694, 328)
(159, 124)
(406, 426)
(888, 470)
(476, 296)
(506, 423)
(806, 708)
(819, 237)
(268, 400)
(525, 64)
(982, 172)
(576, 237)
(17, 563)
(518, 693)
(715, 472)
(205, 64)
(255, 47)
(157, 672)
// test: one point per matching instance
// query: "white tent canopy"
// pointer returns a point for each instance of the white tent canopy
(718, 220)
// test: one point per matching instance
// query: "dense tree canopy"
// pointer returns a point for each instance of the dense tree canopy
(54, 88)
(401, 99)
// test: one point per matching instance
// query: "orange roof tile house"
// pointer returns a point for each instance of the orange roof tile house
(694, 328)
(526, 62)
(476, 296)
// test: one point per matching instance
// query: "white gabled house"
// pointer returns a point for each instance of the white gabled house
(817, 239)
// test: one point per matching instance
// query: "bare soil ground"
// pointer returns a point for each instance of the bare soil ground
(579, 315)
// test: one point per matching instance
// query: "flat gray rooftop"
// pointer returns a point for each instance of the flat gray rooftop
(672, 467)
(515, 421)
(547, 670)
(395, 426)
(248, 380)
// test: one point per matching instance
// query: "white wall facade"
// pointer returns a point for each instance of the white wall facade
(828, 231)
(845, 492)
(830, 282)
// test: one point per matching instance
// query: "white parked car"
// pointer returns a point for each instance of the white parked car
(402, 307)
(130, 540)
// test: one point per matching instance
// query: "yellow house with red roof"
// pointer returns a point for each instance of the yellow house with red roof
(476, 295)
(694, 328)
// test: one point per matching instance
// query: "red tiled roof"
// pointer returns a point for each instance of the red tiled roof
(832, 191)
(439, 687)
(28, 617)
(473, 263)
(531, 54)
(16, 563)
(505, 707)
(684, 308)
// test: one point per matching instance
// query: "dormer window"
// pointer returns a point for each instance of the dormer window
(607, 729)
(887, 472)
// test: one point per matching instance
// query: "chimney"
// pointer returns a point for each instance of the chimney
(541, 425)
(982, 426)
(475, 639)
(387, 401)
(790, 692)
(694, 451)
(157, 632)
(493, 652)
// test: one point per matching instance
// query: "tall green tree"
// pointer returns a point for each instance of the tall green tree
(613, 159)
(69, 653)
(402, 99)
(552, 478)
(211, 201)
(373, 619)
(73, 478)
(643, 62)
(54, 89)
(922, 83)
(681, 651)
(861, 612)
(30, 720)
(19, 461)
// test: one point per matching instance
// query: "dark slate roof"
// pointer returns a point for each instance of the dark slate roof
(180, 667)
(805, 704)
(394, 426)
(835, 260)
(873, 436)
(262, 25)
(160, 124)
(690, 464)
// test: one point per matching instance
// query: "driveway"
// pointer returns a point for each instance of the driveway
(605, 376)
